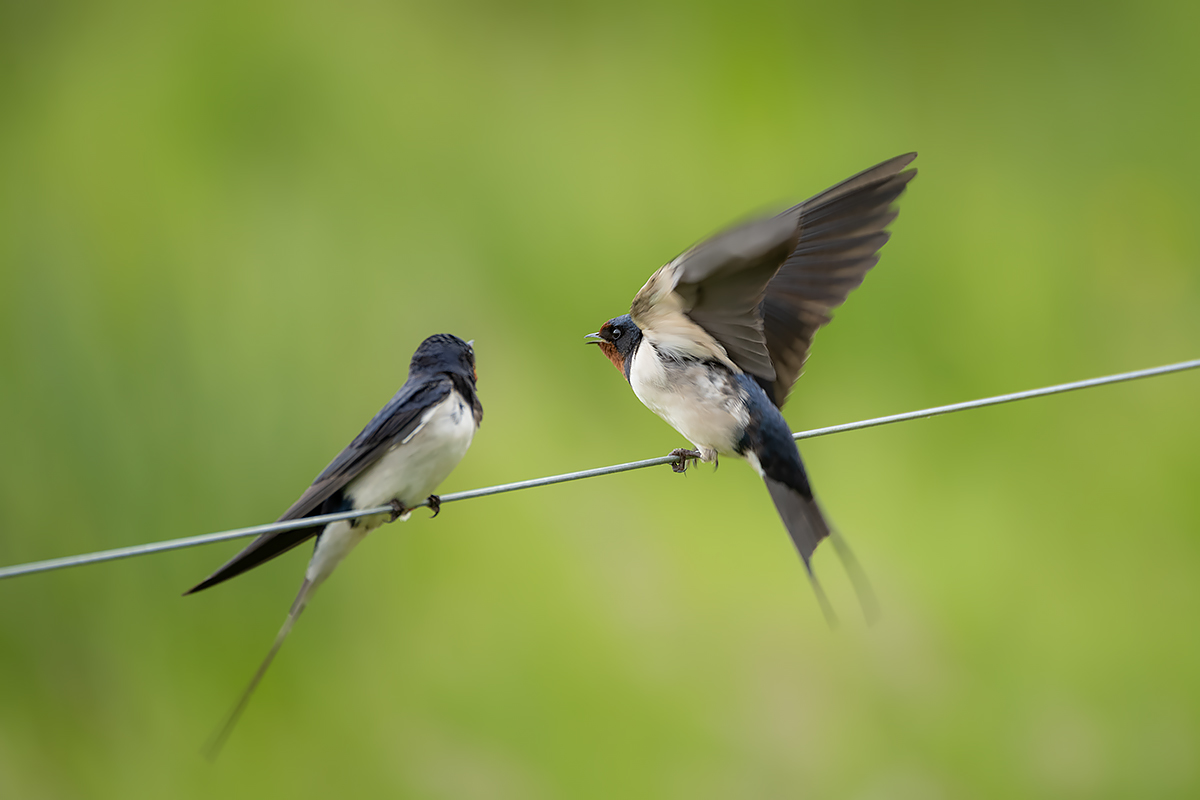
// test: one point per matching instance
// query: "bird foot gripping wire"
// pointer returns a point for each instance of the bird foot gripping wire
(684, 457)
(399, 511)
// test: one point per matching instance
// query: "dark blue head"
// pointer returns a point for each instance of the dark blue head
(618, 338)
(444, 352)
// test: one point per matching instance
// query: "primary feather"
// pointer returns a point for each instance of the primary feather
(754, 296)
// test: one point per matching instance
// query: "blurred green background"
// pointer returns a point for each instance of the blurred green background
(225, 227)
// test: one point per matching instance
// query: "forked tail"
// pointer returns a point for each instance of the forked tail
(807, 526)
(213, 748)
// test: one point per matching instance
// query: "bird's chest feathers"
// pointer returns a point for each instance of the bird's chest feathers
(698, 398)
(412, 468)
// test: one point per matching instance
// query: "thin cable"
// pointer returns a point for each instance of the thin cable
(999, 399)
(308, 522)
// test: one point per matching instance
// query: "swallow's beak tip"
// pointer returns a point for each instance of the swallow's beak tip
(593, 338)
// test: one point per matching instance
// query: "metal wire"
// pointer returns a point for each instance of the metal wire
(307, 522)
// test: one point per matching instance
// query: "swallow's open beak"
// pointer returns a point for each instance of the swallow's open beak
(593, 338)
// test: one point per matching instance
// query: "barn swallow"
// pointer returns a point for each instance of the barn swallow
(714, 341)
(402, 455)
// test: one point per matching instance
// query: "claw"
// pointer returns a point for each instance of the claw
(398, 510)
(684, 456)
(435, 503)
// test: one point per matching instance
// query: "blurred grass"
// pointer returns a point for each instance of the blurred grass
(224, 227)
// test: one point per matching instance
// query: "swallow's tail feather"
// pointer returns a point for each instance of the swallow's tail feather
(862, 586)
(807, 526)
(213, 748)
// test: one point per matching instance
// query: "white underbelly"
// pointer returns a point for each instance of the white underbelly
(334, 544)
(409, 472)
(703, 404)
(412, 469)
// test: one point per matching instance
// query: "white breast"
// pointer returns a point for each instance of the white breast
(413, 468)
(408, 472)
(702, 402)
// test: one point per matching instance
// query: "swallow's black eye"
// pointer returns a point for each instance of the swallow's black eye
(615, 333)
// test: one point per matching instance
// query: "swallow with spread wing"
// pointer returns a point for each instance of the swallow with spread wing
(715, 339)
(402, 455)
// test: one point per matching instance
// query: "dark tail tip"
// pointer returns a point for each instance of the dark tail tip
(822, 599)
(862, 586)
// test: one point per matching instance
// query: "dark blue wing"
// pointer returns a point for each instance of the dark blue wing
(841, 230)
(395, 421)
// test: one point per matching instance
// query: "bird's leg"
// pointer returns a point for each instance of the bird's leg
(435, 503)
(683, 456)
(398, 510)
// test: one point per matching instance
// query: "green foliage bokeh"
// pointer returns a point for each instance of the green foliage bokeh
(225, 226)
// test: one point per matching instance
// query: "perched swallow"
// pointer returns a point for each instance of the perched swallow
(398, 459)
(715, 339)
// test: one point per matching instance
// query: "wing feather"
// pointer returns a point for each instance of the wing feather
(840, 233)
(712, 292)
(402, 415)
(755, 295)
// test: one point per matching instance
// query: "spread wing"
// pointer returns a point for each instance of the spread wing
(400, 418)
(840, 233)
(711, 294)
(754, 295)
